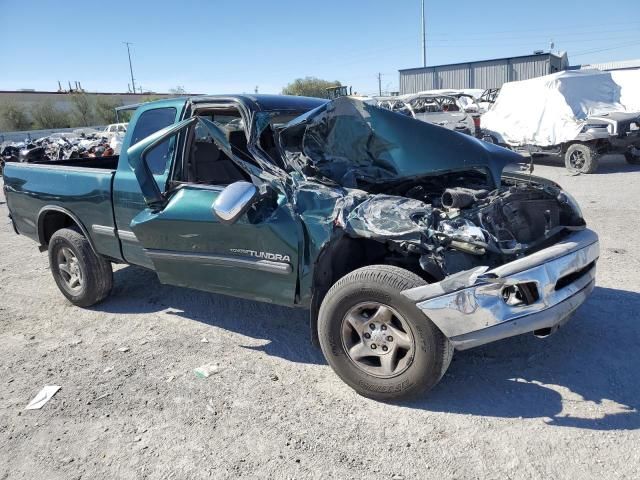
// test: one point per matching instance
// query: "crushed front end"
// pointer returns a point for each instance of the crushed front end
(537, 293)
(503, 253)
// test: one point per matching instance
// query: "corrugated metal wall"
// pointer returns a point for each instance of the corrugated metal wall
(484, 74)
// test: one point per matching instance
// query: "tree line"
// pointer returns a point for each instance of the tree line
(88, 110)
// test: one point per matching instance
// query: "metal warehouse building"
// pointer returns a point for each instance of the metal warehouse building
(483, 74)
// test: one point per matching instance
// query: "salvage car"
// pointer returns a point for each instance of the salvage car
(575, 115)
(454, 110)
(404, 240)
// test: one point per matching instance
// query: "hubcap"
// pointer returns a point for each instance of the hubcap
(70, 271)
(577, 160)
(377, 339)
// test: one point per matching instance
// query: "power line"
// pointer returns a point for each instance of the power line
(586, 52)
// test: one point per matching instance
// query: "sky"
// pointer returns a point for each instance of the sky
(234, 46)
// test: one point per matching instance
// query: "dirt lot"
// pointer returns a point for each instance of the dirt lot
(564, 407)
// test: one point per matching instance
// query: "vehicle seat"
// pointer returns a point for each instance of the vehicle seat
(238, 139)
(211, 166)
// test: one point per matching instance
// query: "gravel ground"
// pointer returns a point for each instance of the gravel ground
(564, 407)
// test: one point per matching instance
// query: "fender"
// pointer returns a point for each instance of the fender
(55, 208)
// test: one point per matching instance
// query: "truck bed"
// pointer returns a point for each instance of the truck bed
(81, 188)
(106, 163)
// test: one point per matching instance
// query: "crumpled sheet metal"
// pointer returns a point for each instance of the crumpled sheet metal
(387, 217)
(452, 283)
(352, 142)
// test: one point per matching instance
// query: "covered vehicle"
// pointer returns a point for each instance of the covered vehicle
(576, 114)
(404, 240)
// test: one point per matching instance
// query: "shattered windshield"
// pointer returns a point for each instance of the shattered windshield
(353, 144)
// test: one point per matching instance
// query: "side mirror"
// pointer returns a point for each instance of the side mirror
(234, 201)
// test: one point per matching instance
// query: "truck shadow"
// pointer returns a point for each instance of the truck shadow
(585, 376)
(137, 290)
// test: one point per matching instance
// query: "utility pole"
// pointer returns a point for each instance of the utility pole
(133, 82)
(379, 84)
(424, 39)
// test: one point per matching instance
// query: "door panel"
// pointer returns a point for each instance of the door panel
(190, 247)
(128, 200)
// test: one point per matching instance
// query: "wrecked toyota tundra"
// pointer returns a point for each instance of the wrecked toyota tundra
(404, 240)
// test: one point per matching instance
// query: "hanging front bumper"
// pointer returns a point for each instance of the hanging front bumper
(537, 292)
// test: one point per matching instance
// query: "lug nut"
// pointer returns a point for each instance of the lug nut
(367, 335)
(389, 338)
(383, 327)
(372, 326)
(385, 348)
(373, 346)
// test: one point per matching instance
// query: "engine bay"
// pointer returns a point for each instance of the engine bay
(455, 221)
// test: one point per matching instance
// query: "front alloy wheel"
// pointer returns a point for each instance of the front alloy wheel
(376, 339)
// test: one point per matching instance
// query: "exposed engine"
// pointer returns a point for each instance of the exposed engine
(511, 219)
(453, 227)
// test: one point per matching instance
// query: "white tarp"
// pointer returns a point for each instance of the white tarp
(629, 82)
(553, 109)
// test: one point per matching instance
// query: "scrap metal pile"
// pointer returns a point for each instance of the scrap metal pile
(81, 143)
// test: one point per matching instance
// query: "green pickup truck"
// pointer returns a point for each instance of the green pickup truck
(404, 240)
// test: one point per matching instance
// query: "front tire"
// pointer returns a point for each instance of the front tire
(581, 158)
(82, 276)
(376, 339)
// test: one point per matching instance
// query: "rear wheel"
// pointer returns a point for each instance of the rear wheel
(376, 339)
(581, 158)
(631, 158)
(82, 276)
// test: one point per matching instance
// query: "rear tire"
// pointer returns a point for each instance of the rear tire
(581, 158)
(631, 158)
(82, 276)
(404, 355)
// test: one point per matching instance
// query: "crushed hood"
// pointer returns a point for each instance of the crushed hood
(353, 143)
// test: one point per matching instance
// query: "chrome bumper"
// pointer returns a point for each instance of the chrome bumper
(474, 307)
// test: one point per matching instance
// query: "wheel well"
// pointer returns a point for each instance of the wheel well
(53, 220)
(593, 144)
(345, 254)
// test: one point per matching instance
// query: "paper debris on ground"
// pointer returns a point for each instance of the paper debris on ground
(206, 370)
(42, 397)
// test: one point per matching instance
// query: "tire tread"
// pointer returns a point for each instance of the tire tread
(397, 279)
(98, 271)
